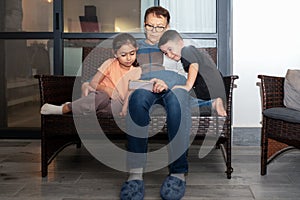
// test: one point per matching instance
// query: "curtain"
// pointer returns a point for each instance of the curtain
(192, 15)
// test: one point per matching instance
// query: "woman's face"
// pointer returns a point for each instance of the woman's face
(154, 27)
(126, 55)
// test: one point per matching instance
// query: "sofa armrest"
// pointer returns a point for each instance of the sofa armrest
(272, 91)
(229, 86)
(56, 89)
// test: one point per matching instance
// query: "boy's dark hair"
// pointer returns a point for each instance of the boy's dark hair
(124, 38)
(169, 35)
(157, 11)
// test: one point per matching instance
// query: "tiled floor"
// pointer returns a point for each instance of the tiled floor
(77, 175)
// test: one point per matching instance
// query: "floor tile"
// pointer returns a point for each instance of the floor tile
(76, 175)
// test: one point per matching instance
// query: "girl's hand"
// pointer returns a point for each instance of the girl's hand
(123, 113)
(86, 88)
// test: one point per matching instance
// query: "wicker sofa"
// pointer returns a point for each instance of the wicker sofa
(280, 125)
(59, 131)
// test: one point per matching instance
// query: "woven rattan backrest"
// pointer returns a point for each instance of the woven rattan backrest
(93, 57)
(212, 52)
(272, 91)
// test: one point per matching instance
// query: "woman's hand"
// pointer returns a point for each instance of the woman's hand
(159, 85)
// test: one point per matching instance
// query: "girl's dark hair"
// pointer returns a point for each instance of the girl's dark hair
(124, 38)
(157, 11)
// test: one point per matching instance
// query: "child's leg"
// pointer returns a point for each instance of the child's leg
(50, 109)
(195, 103)
(219, 107)
(67, 107)
(95, 102)
(202, 103)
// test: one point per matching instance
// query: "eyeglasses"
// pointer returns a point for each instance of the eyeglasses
(157, 28)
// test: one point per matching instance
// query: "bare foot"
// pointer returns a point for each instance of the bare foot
(219, 107)
(65, 108)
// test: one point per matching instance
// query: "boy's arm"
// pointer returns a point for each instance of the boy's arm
(192, 75)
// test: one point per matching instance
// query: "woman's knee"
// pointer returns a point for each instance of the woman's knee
(177, 97)
(140, 99)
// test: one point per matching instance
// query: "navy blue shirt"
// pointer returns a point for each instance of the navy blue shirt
(151, 60)
(209, 82)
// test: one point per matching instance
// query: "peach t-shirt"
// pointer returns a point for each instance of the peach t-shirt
(117, 77)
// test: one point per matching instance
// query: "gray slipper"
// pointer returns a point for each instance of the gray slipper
(172, 188)
(133, 190)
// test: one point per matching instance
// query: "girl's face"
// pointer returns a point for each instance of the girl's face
(126, 55)
(172, 50)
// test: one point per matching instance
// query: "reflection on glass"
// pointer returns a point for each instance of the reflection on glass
(198, 16)
(208, 45)
(75, 52)
(200, 43)
(22, 88)
(102, 16)
(27, 15)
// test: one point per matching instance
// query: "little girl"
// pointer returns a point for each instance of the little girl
(110, 83)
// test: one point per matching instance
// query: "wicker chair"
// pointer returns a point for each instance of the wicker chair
(277, 135)
(59, 131)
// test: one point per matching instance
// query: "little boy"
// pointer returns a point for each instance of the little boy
(203, 76)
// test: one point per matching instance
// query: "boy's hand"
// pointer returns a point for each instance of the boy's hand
(181, 86)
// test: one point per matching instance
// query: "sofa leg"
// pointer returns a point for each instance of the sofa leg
(263, 170)
(264, 151)
(229, 172)
(44, 167)
(44, 160)
(78, 145)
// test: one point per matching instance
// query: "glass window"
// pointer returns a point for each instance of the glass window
(26, 15)
(207, 45)
(200, 43)
(197, 16)
(102, 15)
(74, 50)
(36, 56)
(22, 90)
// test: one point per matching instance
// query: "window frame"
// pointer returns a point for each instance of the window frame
(223, 37)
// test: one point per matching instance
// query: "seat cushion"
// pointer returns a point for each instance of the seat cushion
(282, 113)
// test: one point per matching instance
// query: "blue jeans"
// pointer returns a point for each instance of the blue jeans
(177, 106)
(200, 102)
